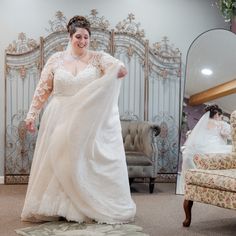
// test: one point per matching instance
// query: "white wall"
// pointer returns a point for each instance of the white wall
(180, 20)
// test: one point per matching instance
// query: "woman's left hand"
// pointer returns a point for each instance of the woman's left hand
(122, 72)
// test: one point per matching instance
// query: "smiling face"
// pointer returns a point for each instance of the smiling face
(80, 40)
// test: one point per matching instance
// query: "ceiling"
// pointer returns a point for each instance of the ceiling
(216, 50)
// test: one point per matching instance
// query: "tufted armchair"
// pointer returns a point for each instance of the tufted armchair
(214, 180)
(140, 149)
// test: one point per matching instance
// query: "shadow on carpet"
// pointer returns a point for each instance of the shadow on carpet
(76, 229)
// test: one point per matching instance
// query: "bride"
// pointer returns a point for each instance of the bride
(208, 136)
(79, 169)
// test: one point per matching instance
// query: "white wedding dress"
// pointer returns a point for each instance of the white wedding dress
(208, 136)
(79, 168)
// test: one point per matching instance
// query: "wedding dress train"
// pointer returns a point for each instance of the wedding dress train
(79, 168)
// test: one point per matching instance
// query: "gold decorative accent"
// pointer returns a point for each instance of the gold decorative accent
(58, 24)
(94, 44)
(129, 26)
(146, 84)
(7, 69)
(129, 115)
(11, 47)
(166, 52)
(22, 179)
(22, 45)
(178, 72)
(22, 72)
(59, 48)
(97, 22)
(38, 64)
(164, 73)
(31, 43)
(130, 51)
(22, 131)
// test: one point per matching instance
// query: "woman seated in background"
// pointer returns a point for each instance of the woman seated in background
(208, 136)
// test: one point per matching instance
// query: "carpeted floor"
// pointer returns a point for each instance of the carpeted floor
(160, 214)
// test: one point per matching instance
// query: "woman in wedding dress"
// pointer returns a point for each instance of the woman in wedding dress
(208, 136)
(79, 168)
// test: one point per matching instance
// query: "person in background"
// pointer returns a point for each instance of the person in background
(208, 136)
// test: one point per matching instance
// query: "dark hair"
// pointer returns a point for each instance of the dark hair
(213, 109)
(78, 22)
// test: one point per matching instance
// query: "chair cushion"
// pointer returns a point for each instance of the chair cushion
(216, 179)
(137, 159)
(213, 161)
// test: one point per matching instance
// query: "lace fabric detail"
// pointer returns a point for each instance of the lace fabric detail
(53, 203)
(44, 87)
(225, 130)
(102, 61)
(220, 128)
(54, 80)
(106, 60)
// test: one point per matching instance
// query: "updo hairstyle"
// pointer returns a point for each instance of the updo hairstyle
(78, 22)
(213, 109)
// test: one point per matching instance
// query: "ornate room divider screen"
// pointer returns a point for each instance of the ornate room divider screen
(151, 91)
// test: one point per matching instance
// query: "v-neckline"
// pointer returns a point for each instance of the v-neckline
(77, 74)
(84, 69)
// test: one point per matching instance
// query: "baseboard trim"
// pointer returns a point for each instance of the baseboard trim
(1, 179)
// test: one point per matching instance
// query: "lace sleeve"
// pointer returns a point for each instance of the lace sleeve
(106, 60)
(43, 89)
(225, 130)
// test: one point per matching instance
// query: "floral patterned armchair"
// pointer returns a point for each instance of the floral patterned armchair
(214, 180)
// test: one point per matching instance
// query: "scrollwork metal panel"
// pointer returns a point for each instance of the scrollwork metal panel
(132, 52)
(21, 77)
(164, 102)
(150, 91)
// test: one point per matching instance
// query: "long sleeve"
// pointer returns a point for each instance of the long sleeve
(43, 89)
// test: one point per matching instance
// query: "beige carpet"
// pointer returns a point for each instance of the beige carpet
(160, 214)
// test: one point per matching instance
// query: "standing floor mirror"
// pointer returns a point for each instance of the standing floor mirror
(210, 79)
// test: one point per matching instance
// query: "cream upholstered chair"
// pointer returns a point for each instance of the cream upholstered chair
(214, 180)
(140, 149)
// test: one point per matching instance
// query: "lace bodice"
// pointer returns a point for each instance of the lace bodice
(208, 135)
(219, 132)
(58, 80)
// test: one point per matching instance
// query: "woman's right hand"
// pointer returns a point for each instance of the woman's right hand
(30, 125)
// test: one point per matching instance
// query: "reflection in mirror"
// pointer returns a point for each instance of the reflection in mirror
(210, 79)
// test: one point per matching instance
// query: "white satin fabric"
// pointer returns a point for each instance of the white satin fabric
(79, 168)
(203, 140)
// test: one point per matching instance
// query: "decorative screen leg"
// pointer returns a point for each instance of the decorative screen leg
(151, 185)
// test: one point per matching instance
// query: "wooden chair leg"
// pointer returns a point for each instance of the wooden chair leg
(151, 185)
(131, 180)
(187, 209)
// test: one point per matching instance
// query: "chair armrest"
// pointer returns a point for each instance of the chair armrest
(214, 161)
(147, 138)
